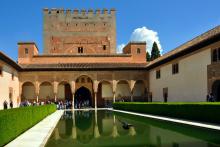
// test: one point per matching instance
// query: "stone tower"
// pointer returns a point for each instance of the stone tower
(79, 32)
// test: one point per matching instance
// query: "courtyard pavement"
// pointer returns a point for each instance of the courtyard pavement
(38, 135)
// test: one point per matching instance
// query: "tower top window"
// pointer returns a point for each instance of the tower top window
(138, 50)
(80, 49)
(104, 47)
(26, 50)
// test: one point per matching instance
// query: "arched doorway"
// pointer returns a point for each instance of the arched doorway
(216, 90)
(64, 92)
(84, 92)
(28, 92)
(83, 98)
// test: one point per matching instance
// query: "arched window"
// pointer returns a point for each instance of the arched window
(214, 55)
(138, 50)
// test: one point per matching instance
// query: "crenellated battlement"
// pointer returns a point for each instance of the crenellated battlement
(82, 12)
(66, 30)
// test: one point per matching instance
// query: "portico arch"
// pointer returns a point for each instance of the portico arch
(64, 91)
(46, 91)
(83, 97)
(216, 90)
(139, 91)
(28, 91)
(105, 94)
(123, 92)
(84, 92)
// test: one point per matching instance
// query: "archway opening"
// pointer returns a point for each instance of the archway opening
(139, 91)
(83, 98)
(216, 90)
(123, 92)
(46, 92)
(64, 92)
(105, 94)
(28, 92)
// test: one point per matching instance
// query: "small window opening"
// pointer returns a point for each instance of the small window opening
(26, 50)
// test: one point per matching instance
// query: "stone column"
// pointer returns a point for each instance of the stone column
(73, 86)
(113, 97)
(37, 97)
(95, 100)
(131, 96)
(55, 97)
(55, 90)
(73, 102)
(95, 88)
(114, 86)
(37, 90)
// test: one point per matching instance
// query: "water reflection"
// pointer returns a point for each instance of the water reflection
(103, 128)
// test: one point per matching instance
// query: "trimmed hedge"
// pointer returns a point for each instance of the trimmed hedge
(201, 111)
(13, 122)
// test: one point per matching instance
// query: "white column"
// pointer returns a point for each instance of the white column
(55, 97)
(37, 98)
(132, 96)
(73, 104)
(95, 100)
(113, 97)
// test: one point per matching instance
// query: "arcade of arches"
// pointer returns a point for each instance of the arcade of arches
(85, 91)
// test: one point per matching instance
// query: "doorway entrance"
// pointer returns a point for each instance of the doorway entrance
(83, 98)
(216, 90)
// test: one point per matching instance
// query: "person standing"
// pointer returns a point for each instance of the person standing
(5, 104)
(11, 104)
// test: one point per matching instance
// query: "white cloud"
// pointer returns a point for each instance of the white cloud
(120, 47)
(144, 34)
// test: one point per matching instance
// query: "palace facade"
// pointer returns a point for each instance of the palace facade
(79, 63)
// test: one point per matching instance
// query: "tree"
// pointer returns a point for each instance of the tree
(155, 53)
(147, 56)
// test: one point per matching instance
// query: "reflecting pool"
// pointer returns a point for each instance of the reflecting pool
(104, 128)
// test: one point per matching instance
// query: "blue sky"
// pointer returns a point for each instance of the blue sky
(174, 21)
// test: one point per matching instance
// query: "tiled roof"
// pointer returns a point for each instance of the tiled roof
(9, 61)
(205, 37)
(203, 40)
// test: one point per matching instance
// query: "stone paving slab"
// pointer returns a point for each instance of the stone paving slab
(38, 135)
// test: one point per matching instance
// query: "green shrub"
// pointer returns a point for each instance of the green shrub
(15, 121)
(201, 111)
